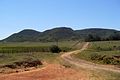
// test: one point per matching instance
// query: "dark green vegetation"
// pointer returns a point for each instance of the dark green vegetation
(100, 34)
(55, 49)
(64, 34)
(106, 52)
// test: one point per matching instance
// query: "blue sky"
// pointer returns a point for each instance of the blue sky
(16, 15)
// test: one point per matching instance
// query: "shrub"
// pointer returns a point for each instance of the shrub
(95, 56)
(12, 66)
(55, 49)
(109, 60)
(32, 63)
(25, 64)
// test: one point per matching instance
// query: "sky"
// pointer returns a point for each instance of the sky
(40, 15)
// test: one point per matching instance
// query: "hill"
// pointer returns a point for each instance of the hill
(98, 34)
(64, 34)
(23, 36)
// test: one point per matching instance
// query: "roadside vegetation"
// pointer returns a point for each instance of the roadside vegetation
(106, 52)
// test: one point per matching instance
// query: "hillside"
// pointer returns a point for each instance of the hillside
(98, 34)
(64, 34)
(22, 36)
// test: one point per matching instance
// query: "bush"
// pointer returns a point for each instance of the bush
(25, 64)
(32, 63)
(111, 60)
(108, 60)
(95, 56)
(55, 49)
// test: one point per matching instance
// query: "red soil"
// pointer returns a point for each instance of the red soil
(50, 72)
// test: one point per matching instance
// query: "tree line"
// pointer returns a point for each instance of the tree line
(95, 37)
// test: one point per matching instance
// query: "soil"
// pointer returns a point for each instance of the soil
(50, 72)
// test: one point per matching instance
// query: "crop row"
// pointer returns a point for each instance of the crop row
(28, 49)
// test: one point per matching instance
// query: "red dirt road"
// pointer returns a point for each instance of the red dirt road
(50, 72)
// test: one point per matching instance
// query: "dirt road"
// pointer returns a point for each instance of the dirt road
(50, 72)
(86, 64)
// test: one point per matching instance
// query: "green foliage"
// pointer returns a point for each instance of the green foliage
(55, 49)
(92, 37)
(97, 34)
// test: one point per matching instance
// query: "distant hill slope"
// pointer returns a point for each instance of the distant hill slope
(63, 34)
(25, 35)
(103, 34)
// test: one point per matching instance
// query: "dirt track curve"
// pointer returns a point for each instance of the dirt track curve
(86, 64)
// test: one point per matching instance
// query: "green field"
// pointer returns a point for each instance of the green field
(106, 52)
(24, 47)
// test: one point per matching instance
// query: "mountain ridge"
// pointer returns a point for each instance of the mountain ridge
(61, 34)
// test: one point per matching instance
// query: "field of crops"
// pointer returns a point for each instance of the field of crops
(106, 52)
(34, 46)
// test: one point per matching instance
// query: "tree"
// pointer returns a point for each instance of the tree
(55, 49)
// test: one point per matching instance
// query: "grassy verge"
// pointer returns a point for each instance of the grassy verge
(103, 75)
(102, 53)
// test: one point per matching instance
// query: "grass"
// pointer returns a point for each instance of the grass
(88, 53)
(16, 44)
(99, 52)
(9, 58)
(35, 46)
(103, 75)
(105, 46)
(12, 58)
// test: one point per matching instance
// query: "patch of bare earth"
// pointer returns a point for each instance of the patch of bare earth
(50, 72)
